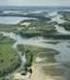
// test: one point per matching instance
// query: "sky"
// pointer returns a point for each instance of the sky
(34, 2)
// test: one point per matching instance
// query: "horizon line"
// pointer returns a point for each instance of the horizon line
(32, 6)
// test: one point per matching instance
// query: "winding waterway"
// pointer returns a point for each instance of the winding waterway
(63, 57)
(62, 46)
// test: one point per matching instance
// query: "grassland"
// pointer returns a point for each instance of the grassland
(9, 27)
(9, 60)
(36, 28)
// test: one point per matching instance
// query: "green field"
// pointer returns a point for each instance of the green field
(9, 60)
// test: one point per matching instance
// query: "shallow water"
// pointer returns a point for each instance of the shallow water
(64, 51)
(61, 29)
(12, 20)
(39, 41)
(62, 46)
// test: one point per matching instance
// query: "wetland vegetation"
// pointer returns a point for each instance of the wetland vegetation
(9, 60)
(41, 41)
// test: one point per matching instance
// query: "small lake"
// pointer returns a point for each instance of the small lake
(12, 20)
